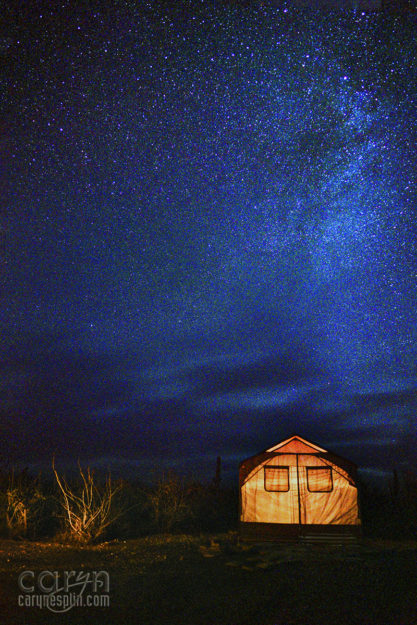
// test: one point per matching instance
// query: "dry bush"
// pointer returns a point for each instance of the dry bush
(167, 501)
(16, 512)
(88, 507)
(24, 504)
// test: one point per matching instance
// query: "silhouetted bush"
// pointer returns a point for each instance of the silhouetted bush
(134, 516)
(213, 508)
(27, 506)
(168, 503)
(389, 509)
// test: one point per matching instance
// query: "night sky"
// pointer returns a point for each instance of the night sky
(208, 233)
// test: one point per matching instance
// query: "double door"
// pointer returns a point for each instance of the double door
(303, 490)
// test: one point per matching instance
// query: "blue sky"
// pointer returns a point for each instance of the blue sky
(209, 233)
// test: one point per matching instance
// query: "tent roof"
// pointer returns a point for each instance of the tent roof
(295, 444)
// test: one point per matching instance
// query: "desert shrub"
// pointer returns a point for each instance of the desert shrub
(180, 505)
(88, 505)
(213, 508)
(26, 506)
(45, 520)
(376, 514)
(405, 501)
(134, 515)
(389, 510)
(168, 505)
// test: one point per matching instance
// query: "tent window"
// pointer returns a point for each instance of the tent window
(276, 479)
(319, 479)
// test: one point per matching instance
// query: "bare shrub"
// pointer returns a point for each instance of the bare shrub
(24, 504)
(167, 501)
(88, 507)
(16, 513)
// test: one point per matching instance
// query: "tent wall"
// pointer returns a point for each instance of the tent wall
(302, 503)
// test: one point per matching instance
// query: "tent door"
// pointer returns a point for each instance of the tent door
(298, 492)
(310, 503)
(315, 491)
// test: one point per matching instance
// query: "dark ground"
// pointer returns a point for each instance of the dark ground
(211, 580)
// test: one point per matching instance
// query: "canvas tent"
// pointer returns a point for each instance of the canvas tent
(297, 488)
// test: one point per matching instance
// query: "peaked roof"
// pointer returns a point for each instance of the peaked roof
(296, 444)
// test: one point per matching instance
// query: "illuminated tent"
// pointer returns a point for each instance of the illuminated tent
(297, 489)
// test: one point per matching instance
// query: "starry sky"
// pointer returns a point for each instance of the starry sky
(208, 233)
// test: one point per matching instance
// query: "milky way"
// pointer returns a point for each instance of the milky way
(209, 231)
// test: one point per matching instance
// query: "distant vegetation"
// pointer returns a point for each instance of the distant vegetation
(390, 510)
(91, 507)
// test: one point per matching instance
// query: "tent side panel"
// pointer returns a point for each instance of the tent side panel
(337, 506)
(263, 506)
